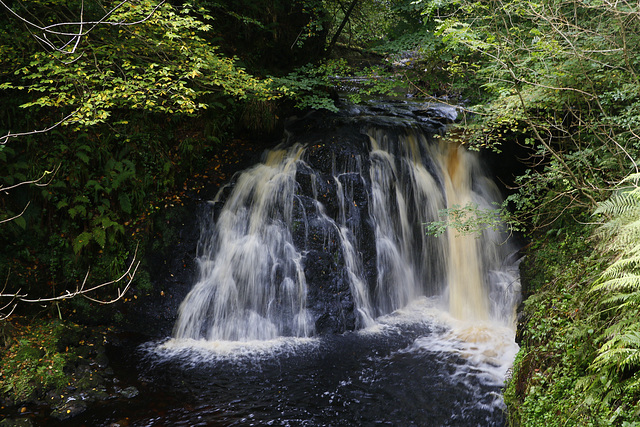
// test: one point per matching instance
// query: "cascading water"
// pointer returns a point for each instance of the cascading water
(321, 299)
(255, 255)
(252, 286)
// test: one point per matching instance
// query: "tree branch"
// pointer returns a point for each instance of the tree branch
(5, 138)
(342, 24)
(17, 216)
(35, 181)
(74, 37)
(81, 290)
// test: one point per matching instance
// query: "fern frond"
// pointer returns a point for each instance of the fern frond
(633, 384)
(620, 352)
(624, 282)
(586, 382)
(631, 227)
(623, 300)
(621, 203)
(628, 339)
(619, 229)
(634, 177)
(617, 359)
(626, 234)
(628, 321)
(628, 263)
(619, 285)
(615, 391)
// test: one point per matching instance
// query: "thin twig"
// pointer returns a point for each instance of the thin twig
(76, 36)
(4, 139)
(17, 216)
(35, 181)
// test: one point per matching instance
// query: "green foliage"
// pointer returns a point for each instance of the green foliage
(472, 219)
(400, 37)
(144, 104)
(313, 85)
(579, 362)
(559, 77)
(369, 23)
(559, 331)
(34, 362)
(615, 372)
(309, 85)
(161, 65)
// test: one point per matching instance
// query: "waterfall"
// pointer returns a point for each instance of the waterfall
(327, 233)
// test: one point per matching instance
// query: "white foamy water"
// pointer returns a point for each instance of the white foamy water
(252, 283)
(488, 348)
(484, 349)
(206, 351)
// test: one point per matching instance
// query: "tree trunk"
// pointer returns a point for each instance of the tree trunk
(342, 24)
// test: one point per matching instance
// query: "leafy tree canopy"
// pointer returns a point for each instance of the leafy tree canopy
(143, 56)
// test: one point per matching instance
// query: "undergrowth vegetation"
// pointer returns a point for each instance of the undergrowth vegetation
(578, 364)
(556, 331)
(35, 360)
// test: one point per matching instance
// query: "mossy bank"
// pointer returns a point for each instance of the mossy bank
(54, 368)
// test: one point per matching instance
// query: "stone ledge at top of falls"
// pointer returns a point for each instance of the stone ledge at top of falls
(432, 118)
(408, 110)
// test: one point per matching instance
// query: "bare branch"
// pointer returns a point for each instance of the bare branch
(74, 37)
(81, 290)
(17, 216)
(75, 46)
(11, 302)
(4, 139)
(35, 181)
(4, 316)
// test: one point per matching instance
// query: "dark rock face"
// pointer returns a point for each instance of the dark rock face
(335, 156)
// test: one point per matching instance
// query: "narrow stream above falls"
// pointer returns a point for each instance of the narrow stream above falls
(320, 299)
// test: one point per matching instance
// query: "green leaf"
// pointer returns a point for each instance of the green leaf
(100, 236)
(83, 156)
(20, 222)
(81, 241)
(125, 202)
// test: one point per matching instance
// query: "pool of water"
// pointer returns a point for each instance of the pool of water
(416, 367)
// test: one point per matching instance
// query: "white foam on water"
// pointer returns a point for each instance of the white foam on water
(203, 351)
(487, 347)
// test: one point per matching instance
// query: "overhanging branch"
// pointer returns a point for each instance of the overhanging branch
(81, 290)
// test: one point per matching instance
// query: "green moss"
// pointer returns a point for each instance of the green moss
(34, 362)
